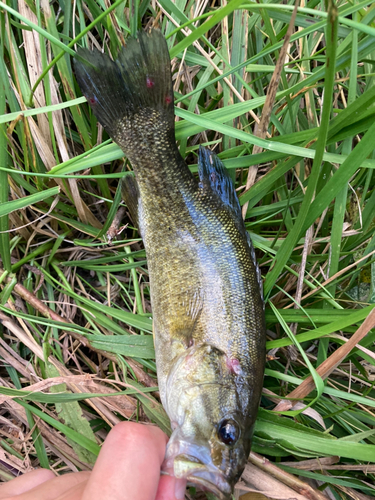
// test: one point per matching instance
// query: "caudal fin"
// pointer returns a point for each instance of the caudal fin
(124, 93)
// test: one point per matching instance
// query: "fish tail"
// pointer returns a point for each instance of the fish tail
(131, 97)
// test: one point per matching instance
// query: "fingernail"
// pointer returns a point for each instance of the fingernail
(179, 489)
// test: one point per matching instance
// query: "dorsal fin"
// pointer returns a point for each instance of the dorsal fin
(213, 173)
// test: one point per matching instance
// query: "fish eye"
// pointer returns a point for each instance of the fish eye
(229, 431)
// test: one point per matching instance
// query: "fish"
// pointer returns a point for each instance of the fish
(205, 283)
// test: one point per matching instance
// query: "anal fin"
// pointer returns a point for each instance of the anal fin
(131, 196)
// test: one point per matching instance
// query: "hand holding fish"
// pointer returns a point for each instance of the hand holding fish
(128, 467)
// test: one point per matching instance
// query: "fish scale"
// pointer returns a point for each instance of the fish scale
(208, 312)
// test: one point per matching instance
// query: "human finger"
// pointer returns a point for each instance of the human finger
(171, 488)
(54, 488)
(25, 482)
(128, 465)
(75, 493)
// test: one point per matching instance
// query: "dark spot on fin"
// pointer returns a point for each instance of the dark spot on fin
(131, 196)
(149, 82)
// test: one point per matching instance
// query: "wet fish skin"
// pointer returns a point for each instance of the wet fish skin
(205, 284)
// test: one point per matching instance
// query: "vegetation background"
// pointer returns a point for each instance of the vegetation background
(288, 103)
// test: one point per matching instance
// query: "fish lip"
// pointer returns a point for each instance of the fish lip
(199, 473)
(222, 494)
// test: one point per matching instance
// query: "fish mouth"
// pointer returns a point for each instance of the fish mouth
(196, 472)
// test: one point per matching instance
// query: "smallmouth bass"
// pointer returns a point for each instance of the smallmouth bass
(206, 296)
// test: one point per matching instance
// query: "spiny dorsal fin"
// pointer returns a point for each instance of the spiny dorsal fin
(212, 173)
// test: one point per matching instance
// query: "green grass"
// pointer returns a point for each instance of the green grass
(75, 307)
